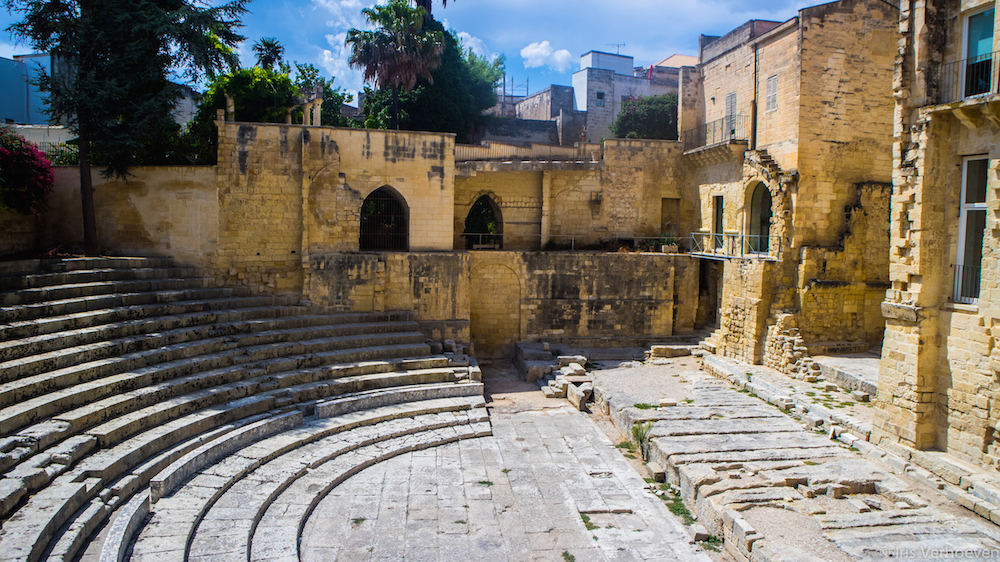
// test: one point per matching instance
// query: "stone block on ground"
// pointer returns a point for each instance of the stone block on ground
(860, 396)
(656, 472)
(548, 391)
(449, 345)
(669, 350)
(667, 402)
(436, 347)
(698, 532)
(566, 360)
(858, 506)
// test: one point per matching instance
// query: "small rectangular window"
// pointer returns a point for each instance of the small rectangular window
(971, 230)
(600, 99)
(771, 97)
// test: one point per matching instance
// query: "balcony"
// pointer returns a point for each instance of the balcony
(967, 78)
(714, 245)
(966, 288)
(728, 129)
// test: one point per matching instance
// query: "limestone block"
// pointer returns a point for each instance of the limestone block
(656, 472)
(576, 369)
(565, 360)
(858, 506)
(667, 402)
(669, 351)
(576, 397)
(548, 391)
(860, 396)
(698, 532)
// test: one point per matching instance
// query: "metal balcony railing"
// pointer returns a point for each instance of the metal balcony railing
(968, 78)
(729, 128)
(966, 289)
(735, 245)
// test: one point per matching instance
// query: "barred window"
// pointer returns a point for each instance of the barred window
(384, 222)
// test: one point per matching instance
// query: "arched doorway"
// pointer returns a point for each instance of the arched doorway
(760, 219)
(384, 222)
(484, 226)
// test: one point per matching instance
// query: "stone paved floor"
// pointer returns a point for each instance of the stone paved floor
(518, 495)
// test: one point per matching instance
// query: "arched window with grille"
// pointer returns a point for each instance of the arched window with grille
(384, 222)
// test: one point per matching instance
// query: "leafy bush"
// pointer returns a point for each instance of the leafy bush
(25, 174)
(647, 118)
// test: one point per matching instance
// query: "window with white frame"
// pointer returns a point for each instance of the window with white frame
(971, 229)
(600, 99)
(771, 94)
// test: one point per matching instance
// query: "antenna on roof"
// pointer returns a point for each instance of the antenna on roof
(617, 46)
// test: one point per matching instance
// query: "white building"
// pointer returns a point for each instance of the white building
(604, 81)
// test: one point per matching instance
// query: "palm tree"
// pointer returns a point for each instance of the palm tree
(398, 52)
(427, 5)
(269, 52)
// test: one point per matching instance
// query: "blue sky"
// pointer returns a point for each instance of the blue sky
(542, 39)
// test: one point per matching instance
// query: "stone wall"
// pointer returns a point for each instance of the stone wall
(519, 197)
(434, 286)
(495, 299)
(289, 191)
(546, 104)
(18, 233)
(842, 287)
(158, 211)
(520, 131)
(940, 363)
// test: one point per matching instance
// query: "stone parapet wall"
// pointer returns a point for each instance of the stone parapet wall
(495, 299)
(18, 233)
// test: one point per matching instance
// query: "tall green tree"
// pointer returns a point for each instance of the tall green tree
(269, 52)
(398, 52)
(260, 95)
(653, 117)
(463, 87)
(113, 59)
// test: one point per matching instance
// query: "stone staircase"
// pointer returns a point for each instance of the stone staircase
(131, 388)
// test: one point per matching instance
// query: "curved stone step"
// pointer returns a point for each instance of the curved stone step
(276, 535)
(13, 348)
(239, 333)
(181, 358)
(96, 288)
(88, 318)
(76, 502)
(69, 306)
(39, 279)
(243, 475)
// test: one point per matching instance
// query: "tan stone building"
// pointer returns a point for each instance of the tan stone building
(787, 163)
(788, 204)
(940, 362)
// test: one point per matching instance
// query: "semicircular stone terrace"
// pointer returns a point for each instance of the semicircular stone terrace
(139, 399)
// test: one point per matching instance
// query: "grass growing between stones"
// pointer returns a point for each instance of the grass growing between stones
(357, 521)
(675, 504)
(644, 406)
(486, 482)
(640, 434)
(711, 543)
(586, 522)
(506, 470)
(568, 557)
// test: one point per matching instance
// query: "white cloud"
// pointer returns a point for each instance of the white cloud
(334, 60)
(542, 54)
(477, 45)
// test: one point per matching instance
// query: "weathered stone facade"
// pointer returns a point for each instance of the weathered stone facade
(787, 154)
(938, 375)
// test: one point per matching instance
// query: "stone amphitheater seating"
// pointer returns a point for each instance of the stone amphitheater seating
(146, 414)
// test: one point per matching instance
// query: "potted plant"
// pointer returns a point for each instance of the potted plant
(669, 244)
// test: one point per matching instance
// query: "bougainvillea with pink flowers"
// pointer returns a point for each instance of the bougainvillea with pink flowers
(25, 174)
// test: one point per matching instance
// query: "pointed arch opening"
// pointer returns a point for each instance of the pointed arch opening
(759, 227)
(484, 225)
(384, 222)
